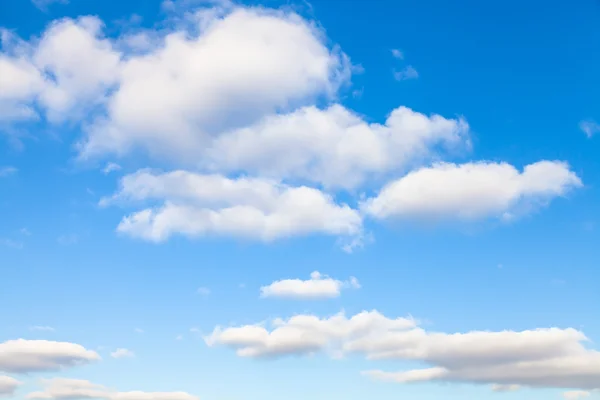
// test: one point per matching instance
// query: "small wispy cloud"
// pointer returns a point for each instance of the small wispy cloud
(11, 243)
(589, 127)
(398, 54)
(43, 4)
(406, 73)
(122, 353)
(203, 291)
(25, 232)
(138, 330)
(8, 171)
(39, 328)
(110, 167)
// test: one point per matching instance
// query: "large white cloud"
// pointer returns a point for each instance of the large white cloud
(335, 147)
(196, 204)
(22, 356)
(62, 389)
(244, 63)
(550, 357)
(8, 385)
(472, 191)
(317, 287)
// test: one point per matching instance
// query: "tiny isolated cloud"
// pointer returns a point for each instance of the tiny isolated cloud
(589, 127)
(122, 353)
(317, 287)
(398, 54)
(203, 291)
(406, 73)
(138, 330)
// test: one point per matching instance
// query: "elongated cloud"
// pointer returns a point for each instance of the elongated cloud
(550, 357)
(196, 204)
(317, 287)
(472, 191)
(23, 356)
(63, 389)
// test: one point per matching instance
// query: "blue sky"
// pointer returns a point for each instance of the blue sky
(172, 173)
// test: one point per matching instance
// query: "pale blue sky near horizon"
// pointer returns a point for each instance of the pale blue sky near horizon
(523, 74)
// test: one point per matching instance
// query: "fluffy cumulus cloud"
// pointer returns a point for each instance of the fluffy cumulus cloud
(8, 385)
(62, 389)
(472, 191)
(23, 356)
(335, 147)
(317, 287)
(550, 357)
(243, 102)
(196, 204)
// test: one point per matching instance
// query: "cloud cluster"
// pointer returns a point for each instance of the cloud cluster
(23, 356)
(63, 389)
(550, 357)
(317, 287)
(245, 102)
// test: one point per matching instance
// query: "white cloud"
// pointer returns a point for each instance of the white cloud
(317, 287)
(138, 330)
(589, 127)
(303, 334)
(8, 386)
(196, 204)
(471, 191)
(550, 357)
(64, 389)
(246, 62)
(576, 394)
(110, 167)
(66, 72)
(122, 353)
(7, 171)
(406, 73)
(23, 356)
(335, 146)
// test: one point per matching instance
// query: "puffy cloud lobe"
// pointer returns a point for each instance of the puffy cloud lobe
(62, 389)
(335, 147)
(196, 204)
(304, 334)
(67, 71)
(244, 64)
(22, 356)
(472, 191)
(317, 287)
(536, 358)
(8, 385)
